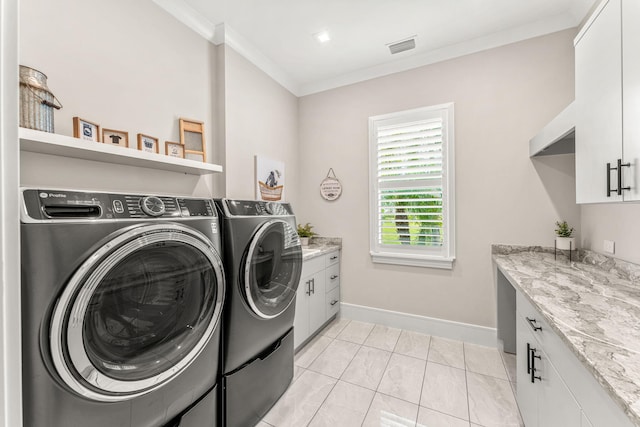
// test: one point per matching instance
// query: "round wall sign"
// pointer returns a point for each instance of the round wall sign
(330, 187)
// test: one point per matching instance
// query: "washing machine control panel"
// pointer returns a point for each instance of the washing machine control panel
(77, 205)
(258, 208)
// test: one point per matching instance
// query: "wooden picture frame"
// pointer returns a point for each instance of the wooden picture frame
(118, 138)
(174, 149)
(148, 144)
(192, 137)
(86, 130)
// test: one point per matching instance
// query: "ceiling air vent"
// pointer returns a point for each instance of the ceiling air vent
(403, 45)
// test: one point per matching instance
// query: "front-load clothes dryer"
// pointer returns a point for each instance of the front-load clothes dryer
(122, 296)
(263, 263)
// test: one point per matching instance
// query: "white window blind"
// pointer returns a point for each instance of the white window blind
(411, 187)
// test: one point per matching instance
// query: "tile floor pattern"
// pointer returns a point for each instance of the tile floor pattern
(360, 374)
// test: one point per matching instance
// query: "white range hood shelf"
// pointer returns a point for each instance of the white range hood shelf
(60, 145)
(557, 137)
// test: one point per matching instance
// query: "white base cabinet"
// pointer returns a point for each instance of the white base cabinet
(318, 296)
(554, 388)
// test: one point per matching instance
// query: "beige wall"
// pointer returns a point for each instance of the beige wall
(614, 221)
(261, 119)
(127, 65)
(502, 98)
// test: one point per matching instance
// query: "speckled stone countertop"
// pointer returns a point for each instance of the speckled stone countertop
(594, 307)
(320, 246)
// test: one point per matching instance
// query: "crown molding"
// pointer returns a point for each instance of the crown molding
(502, 38)
(223, 33)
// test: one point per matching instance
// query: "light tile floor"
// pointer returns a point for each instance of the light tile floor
(360, 374)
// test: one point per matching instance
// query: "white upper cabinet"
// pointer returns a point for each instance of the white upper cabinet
(607, 77)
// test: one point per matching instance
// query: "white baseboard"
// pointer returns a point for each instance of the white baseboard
(427, 325)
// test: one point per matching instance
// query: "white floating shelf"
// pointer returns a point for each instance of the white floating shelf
(557, 137)
(36, 141)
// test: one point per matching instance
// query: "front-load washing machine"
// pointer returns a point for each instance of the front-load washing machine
(263, 263)
(122, 296)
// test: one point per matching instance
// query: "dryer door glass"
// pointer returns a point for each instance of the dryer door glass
(137, 312)
(272, 269)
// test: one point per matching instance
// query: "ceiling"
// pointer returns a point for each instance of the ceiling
(277, 35)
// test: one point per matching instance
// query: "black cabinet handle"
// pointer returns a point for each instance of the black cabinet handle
(620, 166)
(308, 291)
(533, 365)
(313, 286)
(333, 277)
(618, 169)
(528, 359)
(333, 302)
(533, 324)
(334, 257)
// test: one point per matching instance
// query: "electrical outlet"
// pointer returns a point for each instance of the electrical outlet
(609, 246)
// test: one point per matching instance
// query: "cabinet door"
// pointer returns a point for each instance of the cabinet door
(599, 104)
(301, 329)
(317, 310)
(527, 395)
(557, 406)
(631, 97)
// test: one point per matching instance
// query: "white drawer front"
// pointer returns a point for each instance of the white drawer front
(532, 317)
(332, 258)
(333, 301)
(333, 277)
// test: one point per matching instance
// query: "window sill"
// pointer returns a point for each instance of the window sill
(413, 260)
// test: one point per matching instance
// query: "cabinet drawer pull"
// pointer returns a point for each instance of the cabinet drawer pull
(308, 283)
(528, 359)
(313, 286)
(620, 166)
(334, 276)
(334, 302)
(334, 257)
(533, 365)
(609, 189)
(533, 324)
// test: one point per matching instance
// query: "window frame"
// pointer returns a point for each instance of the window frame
(413, 255)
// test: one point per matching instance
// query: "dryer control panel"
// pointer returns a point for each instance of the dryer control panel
(78, 205)
(257, 208)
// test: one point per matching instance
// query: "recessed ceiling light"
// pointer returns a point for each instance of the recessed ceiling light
(322, 36)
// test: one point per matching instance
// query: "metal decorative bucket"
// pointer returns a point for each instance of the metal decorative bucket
(36, 101)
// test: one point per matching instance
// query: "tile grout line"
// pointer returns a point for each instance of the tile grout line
(466, 381)
(377, 386)
(334, 386)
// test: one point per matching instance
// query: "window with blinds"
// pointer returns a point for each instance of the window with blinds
(411, 169)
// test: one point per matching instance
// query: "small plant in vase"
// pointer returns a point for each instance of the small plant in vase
(304, 232)
(564, 239)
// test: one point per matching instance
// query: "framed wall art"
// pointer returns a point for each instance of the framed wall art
(84, 129)
(147, 143)
(192, 137)
(174, 149)
(269, 179)
(115, 137)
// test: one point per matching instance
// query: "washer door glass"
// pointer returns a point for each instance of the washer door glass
(272, 269)
(132, 318)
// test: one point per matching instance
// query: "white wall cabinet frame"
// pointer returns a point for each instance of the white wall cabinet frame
(607, 134)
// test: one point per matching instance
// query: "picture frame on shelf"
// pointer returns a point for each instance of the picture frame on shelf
(115, 137)
(147, 143)
(86, 130)
(192, 137)
(174, 149)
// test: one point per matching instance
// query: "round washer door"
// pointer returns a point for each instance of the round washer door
(273, 265)
(137, 312)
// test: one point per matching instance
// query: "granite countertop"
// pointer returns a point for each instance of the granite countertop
(594, 307)
(320, 246)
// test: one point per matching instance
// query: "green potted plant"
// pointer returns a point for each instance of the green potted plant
(564, 236)
(304, 232)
